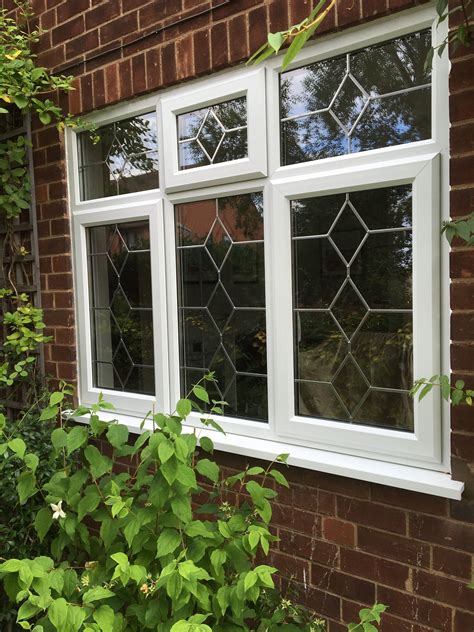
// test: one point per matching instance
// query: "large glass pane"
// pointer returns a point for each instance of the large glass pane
(375, 97)
(352, 283)
(221, 300)
(121, 307)
(214, 134)
(125, 160)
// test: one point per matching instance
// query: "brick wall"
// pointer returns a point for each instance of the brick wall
(345, 542)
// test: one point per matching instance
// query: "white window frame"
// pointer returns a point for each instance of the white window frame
(248, 83)
(418, 460)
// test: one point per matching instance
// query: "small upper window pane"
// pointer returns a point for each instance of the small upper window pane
(371, 98)
(125, 160)
(213, 134)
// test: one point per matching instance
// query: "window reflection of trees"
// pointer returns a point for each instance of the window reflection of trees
(213, 135)
(125, 160)
(353, 319)
(121, 307)
(376, 97)
(222, 299)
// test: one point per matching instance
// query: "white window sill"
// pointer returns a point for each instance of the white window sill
(371, 470)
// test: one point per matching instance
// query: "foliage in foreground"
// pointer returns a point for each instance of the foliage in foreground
(152, 547)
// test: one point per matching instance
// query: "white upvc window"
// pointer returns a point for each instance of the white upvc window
(281, 230)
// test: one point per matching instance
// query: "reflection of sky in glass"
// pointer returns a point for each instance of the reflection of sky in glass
(124, 160)
(376, 97)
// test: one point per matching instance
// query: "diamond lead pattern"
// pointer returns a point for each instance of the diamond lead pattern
(222, 308)
(346, 371)
(119, 258)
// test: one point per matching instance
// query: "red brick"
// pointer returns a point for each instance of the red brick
(238, 39)
(278, 17)
(125, 79)
(138, 74)
(114, 29)
(86, 92)
(460, 106)
(319, 601)
(372, 515)
(442, 531)
(61, 281)
(60, 353)
(441, 589)
(68, 10)
(291, 518)
(53, 210)
(112, 90)
(348, 12)
(257, 28)
(219, 45)
(461, 139)
(66, 32)
(60, 226)
(423, 611)
(463, 621)
(185, 57)
(462, 264)
(153, 69)
(393, 547)
(55, 245)
(462, 72)
(202, 48)
(462, 418)
(80, 45)
(462, 326)
(67, 371)
(289, 566)
(452, 562)
(104, 13)
(463, 445)
(462, 295)
(339, 531)
(168, 63)
(65, 336)
(98, 88)
(374, 568)
(59, 317)
(343, 585)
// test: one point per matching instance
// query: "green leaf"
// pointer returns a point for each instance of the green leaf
(43, 522)
(31, 461)
(186, 476)
(97, 593)
(56, 398)
(275, 41)
(20, 101)
(206, 444)
(117, 435)
(49, 413)
(201, 393)
(17, 446)
(105, 618)
(165, 450)
(76, 438)
(181, 507)
(57, 614)
(26, 611)
(99, 464)
(88, 504)
(278, 476)
(26, 486)
(59, 438)
(209, 469)
(168, 542)
(183, 408)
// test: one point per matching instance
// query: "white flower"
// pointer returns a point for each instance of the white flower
(57, 510)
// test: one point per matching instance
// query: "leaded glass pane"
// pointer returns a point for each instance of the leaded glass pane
(376, 97)
(125, 160)
(121, 307)
(221, 300)
(352, 305)
(214, 134)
